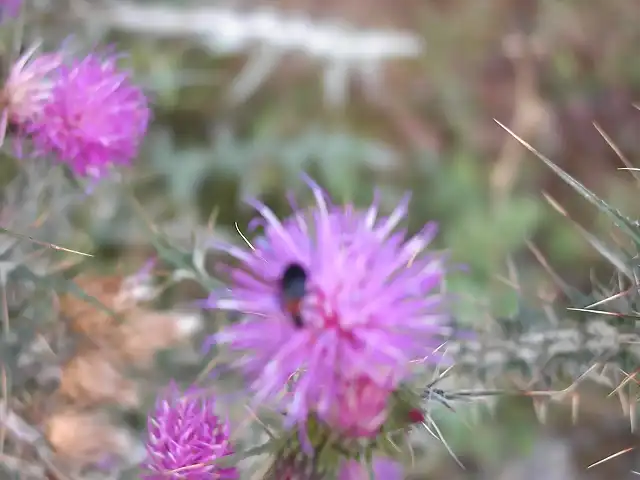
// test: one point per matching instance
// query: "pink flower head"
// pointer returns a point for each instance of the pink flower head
(185, 437)
(95, 117)
(27, 89)
(372, 305)
(383, 469)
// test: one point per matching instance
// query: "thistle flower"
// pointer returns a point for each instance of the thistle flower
(185, 437)
(95, 117)
(27, 89)
(372, 305)
(383, 469)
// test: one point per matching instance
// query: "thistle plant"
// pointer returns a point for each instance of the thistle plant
(335, 312)
(372, 304)
(338, 359)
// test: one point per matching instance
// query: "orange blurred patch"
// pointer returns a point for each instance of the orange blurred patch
(95, 377)
(85, 438)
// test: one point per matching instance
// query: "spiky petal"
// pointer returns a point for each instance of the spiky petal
(27, 89)
(185, 437)
(373, 304)
(95, 117)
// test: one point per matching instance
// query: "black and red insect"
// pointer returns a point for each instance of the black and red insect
(293, 288)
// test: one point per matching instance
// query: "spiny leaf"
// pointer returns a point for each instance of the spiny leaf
(618, 219)
(614, 258)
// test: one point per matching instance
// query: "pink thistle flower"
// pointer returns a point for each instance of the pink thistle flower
(383, 469)
(27, 89)
(373, 304)
(185, 437)
(95, 117)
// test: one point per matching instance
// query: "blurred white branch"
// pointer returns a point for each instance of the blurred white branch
(342, 49)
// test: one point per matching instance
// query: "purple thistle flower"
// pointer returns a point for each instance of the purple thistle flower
(185, 437)
(383, 469)
(95, 117)
(27, 89)
(372, 305)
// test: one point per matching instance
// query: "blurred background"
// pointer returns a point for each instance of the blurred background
(394, 95)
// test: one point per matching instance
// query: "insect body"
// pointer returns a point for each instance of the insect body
(293, 288)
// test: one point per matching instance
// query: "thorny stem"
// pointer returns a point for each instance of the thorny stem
(597, 339)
